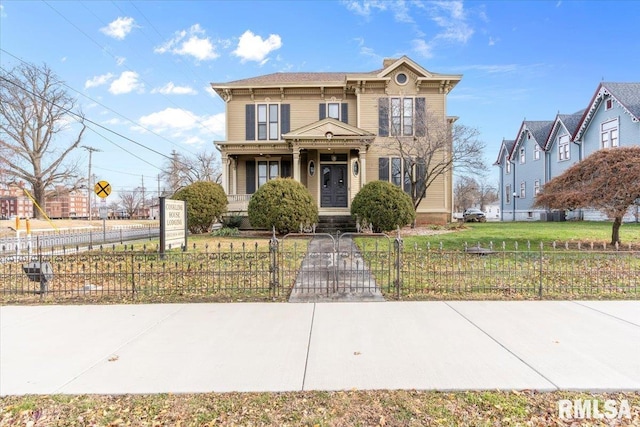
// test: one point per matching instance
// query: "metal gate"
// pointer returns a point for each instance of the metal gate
(335, 269)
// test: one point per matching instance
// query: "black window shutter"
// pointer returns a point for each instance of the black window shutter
(383, 169)
(285, 119)
(285, 170)
(251, 176)
(383, 118)
(323, 111)
(250, 122)
(345, 113)
(421, 117)
(421, 172)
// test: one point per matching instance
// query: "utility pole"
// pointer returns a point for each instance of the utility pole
(143, 195)
(91, 150)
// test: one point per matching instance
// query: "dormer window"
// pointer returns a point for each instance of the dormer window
(608, 104)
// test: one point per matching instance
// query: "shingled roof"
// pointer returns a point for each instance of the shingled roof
(540, 130)
(627, 94)
(286, 78)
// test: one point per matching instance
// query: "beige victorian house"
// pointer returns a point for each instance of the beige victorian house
(333, 132)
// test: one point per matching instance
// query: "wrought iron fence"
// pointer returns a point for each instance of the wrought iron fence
(23, 244)
(269, 272)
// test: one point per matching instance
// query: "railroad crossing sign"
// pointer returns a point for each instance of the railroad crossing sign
(102, 189)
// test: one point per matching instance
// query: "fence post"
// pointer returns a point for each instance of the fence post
(397, 246)
(133, 277)
(273, 267)
(541, 270)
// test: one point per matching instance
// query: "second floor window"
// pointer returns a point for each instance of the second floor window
(563, 148)
(609, 134)
(523, 157)
(402, 116)
(507, 164)
(268, 121)
(536, 152)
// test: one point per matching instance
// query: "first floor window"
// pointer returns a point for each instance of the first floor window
(267, 170)
(536, 187)
(523, 190)
(507, 194)
(398, 172)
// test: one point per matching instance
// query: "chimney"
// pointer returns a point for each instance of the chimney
(388, 61)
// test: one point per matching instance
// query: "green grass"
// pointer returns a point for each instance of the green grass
(315, 408)
(570, 232)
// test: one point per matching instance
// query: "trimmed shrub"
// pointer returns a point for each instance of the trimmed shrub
(383, 205)
(282, 203)
(206, 202)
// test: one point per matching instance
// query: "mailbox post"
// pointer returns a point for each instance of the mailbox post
(39, 272)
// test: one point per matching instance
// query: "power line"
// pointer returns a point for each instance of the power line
(82, 118)
(104, 49)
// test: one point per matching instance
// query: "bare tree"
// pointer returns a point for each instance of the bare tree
(181, 170)
(608, 180)
(131, 201)
(465, 193)
(432, 147)
(35, 112)
(487, 193)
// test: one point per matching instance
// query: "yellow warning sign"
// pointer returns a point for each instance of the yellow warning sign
(102, 189)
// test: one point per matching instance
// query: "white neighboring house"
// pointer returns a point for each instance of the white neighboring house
(492, 211)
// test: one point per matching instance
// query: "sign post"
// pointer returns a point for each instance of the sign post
(173, 224)
(103, 189)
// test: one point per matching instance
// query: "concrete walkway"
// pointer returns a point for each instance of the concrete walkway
(183, 348)
(334, 270)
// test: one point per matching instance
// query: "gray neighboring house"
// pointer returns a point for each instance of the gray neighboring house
(545, 149)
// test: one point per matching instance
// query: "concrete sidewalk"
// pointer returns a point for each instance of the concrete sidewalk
(178, 348)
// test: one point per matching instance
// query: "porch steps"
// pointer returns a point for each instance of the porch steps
(333, 223)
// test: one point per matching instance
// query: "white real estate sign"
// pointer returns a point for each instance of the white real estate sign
(173, 223)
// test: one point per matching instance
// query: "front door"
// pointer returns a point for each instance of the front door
(333, 193)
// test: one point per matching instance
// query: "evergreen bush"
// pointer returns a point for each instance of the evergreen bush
(206, 202)
(282, 203)
(383, 205)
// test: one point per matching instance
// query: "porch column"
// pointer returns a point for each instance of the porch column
(363, 166)
(233, 185)
(296, 164)
(224, 162)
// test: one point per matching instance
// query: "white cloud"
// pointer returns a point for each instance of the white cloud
(252, 47)
(127, 82)
(119, 28)
(113, 121)
(365, 7)
(98, 80)
(172, 89)
(190, 42)
(2, 12)
(422, 48)
(183, 124)
(215, 124)
(451, 16)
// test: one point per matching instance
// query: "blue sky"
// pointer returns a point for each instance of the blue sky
(143, 68)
